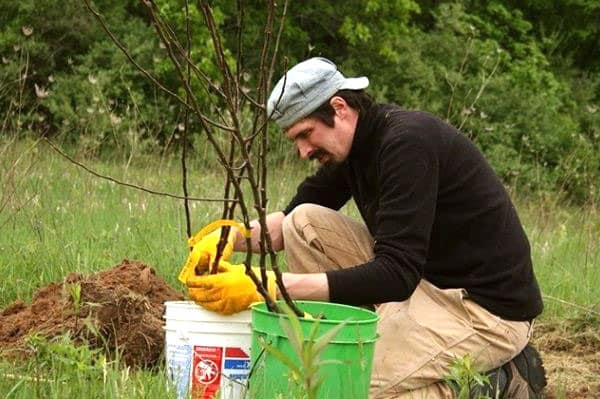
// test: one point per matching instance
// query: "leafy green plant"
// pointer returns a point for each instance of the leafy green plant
(61, 358)
(62, 368)
(75, 291)
(304, 366)
(464, 378)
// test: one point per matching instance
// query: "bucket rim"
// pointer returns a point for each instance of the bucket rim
(261, 308)
(189, 311)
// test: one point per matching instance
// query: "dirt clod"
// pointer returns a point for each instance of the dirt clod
(119, 309)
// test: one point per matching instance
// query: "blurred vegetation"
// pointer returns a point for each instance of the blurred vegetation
(521, 78)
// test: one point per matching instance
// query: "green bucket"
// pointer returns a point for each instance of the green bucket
(344, 365)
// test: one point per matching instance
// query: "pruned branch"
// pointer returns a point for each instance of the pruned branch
(131, 185)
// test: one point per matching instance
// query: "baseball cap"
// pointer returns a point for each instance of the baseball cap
(305, 87)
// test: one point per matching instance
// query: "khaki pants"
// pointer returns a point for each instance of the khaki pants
(419, 337)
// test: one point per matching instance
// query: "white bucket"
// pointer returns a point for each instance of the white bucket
(206, 352)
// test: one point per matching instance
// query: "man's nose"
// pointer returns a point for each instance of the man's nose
(304, 149)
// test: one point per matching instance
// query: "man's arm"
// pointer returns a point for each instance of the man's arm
(312, 286)
(274, 221)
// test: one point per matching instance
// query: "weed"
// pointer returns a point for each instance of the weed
(464, 378)
(304, 366)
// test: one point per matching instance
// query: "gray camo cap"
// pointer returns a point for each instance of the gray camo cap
(305, 87)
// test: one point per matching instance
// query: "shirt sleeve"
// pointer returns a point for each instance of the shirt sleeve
(408, 183)
(327, 187)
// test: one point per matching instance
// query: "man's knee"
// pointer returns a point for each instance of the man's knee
(299, 217)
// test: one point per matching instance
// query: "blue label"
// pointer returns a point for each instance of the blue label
(237, 364)
(179, 364)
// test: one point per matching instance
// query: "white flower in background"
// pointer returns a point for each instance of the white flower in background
(114, 119)
(51, 79)
(591, 108)
(40, 92)
(5, 60)
(181, 127)
(92, 79)
(27, 30)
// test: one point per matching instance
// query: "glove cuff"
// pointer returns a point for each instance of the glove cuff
(272, 286)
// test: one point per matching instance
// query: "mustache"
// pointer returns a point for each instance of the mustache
(316, 154)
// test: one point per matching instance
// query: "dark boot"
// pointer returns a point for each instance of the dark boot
(523, 377)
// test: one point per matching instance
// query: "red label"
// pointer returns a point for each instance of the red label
(235, 352)
(206, 375)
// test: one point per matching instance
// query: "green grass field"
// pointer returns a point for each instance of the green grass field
(56, 218)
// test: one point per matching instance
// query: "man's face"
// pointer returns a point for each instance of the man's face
(315, 140)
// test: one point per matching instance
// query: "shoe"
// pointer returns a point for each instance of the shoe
(523, 377)
(526, 375)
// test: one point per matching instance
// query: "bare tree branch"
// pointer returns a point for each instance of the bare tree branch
(122, 183)
(186, 127)
(245, 162)
(147, 74)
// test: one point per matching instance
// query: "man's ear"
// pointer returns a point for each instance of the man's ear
(340, 106)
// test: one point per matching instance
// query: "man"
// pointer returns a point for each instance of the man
(442, 253)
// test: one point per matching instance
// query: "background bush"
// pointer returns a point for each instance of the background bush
(521, 78)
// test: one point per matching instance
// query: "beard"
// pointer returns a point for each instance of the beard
(320, 154)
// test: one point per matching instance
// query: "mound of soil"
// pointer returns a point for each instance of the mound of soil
(119, 309)
(571, 355)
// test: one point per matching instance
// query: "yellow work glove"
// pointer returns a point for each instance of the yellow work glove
(205, 250)
(230, 290)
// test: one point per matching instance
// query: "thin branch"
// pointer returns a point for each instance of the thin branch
(147, 74)
(485, 81)
(186, 127)
(203, 79)
(122, 183)
(231, 85)
(219, 51)
(262, 181)
(574, 305)
(276, 48)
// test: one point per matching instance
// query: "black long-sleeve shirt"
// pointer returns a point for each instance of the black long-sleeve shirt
(436, 210)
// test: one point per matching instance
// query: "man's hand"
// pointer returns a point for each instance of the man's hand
(207, 249)
(230, 290)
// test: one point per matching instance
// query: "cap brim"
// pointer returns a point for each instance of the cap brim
(355, 83)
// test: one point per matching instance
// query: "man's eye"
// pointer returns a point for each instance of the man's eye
(304, 135)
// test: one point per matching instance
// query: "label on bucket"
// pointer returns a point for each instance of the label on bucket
(236, 367)
(206, 371)
(215, 368)
(179, 361)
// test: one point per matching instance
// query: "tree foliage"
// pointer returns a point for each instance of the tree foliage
(521, 78)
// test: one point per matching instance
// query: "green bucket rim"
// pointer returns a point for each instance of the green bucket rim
(367, 325)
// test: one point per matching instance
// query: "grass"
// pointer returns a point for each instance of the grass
(565, 243)
(55, 218)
